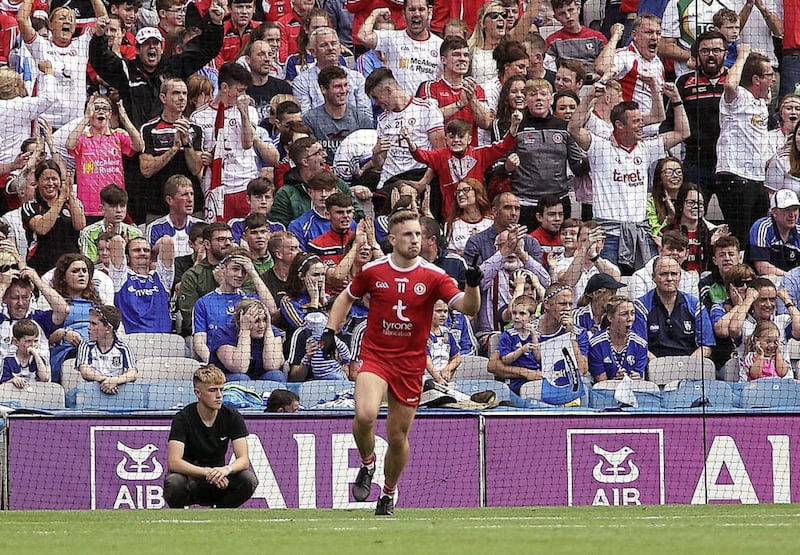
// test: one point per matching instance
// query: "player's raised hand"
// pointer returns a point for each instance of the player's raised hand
(473, 275)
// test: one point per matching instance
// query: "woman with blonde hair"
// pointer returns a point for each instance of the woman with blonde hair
(490, 30)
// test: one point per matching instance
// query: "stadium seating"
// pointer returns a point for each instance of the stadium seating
(666, 369)
(473, 368)
(698, 393)
(70, 377)
(470, 387)
(793, 346)
(87, 396)
(648, 395)
(38, 395)
(770, 393)
(156, 344)
(531, 390)
(320, 391)
(169, 395)
(166, 368)
(729, 371)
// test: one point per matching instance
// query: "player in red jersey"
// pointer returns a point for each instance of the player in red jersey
(403, 288)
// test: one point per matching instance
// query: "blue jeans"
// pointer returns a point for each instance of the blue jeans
(790, 72)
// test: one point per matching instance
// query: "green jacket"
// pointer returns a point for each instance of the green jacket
(292, 200)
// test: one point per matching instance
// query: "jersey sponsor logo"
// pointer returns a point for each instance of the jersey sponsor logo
(397, 328)
(558, 138)
(420, 289)
(381, 285)
(631, 179)
(400, 308)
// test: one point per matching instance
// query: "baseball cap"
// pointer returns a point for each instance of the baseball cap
(146, 33)
(784, 198)
(602, 281)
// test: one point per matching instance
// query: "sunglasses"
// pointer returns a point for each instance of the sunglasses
(741, 283)
(6, 267)
(496, 15)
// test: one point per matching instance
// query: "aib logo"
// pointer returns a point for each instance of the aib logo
(138, 463)
(615, 467)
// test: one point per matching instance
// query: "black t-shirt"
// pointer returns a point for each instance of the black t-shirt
(262, 95)
(44, 250)
(204, 446)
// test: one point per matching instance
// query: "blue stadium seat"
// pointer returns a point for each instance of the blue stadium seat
(156, 344)
(471, 387)
(666, 369)
(87, 396)
(38, 395)
(601, 396)
(473, 368)
(166, 369)
(170, 395)
(320, 391)
(769, 393)
(693, 393)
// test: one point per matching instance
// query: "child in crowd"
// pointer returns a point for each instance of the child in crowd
(260, 196)
(550, 215)
(105, 358)
(443, 351)
(103, 261)
(114, 207)
(763, 357)
(26, 365)
(458, 159)
(519, 345)
(727, 22)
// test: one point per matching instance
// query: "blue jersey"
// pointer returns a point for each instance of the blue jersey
(461, 329)
(13, 369)
(229, 335)
(114, 362)
(604, 360)
(163, 226)
(309, 225)
(237, 228)
(441, 348)
(215, 309)
(143, 302)
(583, 318)
(510, 341)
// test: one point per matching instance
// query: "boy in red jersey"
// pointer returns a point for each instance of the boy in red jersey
(403, 289)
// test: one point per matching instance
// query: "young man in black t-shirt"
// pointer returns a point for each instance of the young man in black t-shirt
(198, 443)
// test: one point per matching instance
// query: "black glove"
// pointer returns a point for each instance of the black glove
(473, 275)
(327, 343)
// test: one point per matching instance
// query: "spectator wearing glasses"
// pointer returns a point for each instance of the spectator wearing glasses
(674, 323)
(775, 239)
(199, 279)
(490, 30)
(471, 213)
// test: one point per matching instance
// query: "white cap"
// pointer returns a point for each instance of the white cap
(785, 198)
(146, 33)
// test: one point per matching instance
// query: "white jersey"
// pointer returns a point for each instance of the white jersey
(353, 152)
(778, 176)
(460, 231)
(69, 67)
(756, 33)
(238, 164)
(695, 17)
(491, 92)
(620, 177)
(742, 144)
(412, 61)
(421, 117)
(630, 65)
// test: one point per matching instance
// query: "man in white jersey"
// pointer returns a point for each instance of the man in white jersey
(620, 175)
(639, 59)
(413, 53)
(401, 111)
(741, 148)
(68, 56)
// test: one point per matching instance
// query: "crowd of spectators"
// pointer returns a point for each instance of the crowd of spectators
(222, 171)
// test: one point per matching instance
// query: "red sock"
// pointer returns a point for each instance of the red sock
(369, 461)
(388, 489)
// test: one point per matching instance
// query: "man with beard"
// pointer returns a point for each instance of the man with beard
(639, 58)
(700, 91)
(265, 86)
(458, 97)
(413, 53)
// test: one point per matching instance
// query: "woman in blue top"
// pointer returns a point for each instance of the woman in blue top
(249, 347)
(617, 351)
(72, 278)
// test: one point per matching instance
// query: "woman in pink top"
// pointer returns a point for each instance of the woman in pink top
(98, 151)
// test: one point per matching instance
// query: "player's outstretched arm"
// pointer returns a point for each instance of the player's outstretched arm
(338, 314)
(470, 303)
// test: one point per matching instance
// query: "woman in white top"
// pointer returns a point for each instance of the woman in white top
(783, 169)
(470, 214)
(788, 115)
(490, 29)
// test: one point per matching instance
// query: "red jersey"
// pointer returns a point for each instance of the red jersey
(473, 163)
(362, 8)
(400, 312)
(290, 25)
(551, 244)
(232, 42)
(330, 246)
(446, 94)
(276, 10)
